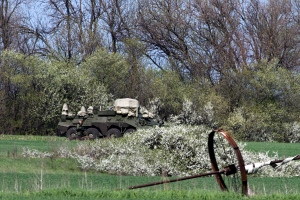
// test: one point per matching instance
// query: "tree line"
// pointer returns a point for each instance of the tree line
(222, 63)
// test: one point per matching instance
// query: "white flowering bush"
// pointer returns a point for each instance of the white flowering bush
(289, 169)
(154, 107)
(61, 152)
(191, 116)
(181, 149)
(188, 115)
(33, 153)
(173, 151)
(292, 132)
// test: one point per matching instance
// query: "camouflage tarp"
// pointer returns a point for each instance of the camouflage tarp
(127, 106)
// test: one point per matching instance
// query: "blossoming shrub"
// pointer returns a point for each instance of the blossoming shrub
(177, 150)
(190, 115)
(292, 131)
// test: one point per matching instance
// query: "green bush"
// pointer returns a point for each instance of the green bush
(36, 90)
(257, 117)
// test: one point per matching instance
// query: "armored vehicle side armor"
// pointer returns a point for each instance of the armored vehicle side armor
(126, 116)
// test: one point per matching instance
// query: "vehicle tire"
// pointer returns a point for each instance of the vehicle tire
(114, 133)
(72, 133)
(92, 133)
(129, 131)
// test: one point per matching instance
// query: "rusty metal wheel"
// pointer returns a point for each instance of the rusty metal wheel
(224, 152)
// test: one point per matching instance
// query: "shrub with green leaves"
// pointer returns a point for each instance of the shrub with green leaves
(108, 69)
(37, 88)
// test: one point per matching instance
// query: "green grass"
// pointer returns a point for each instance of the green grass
(31, 165)
(22, 182)
(57, 178)
(14, 182)
(11, 145)
(284, 149)
(138, 194)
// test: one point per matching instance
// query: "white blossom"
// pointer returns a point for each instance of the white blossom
(175, 151)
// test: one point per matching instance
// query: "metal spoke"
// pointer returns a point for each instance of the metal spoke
(223, 151)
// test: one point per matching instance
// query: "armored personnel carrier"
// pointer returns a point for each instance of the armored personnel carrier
(125, 116)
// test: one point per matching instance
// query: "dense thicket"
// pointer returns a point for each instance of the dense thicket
(221, 63)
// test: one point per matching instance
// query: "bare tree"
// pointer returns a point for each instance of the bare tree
(273, 31)
(61, 15)
(71, 30)
(164, 27)
(200, 38)
(218, 37)
(117, 21)
(10, 23)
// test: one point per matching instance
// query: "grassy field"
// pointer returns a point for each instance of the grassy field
(57, 178)
(284, 150)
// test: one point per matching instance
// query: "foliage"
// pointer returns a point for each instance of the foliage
(207, 109)
(109, 69)
(37, 88)
(169, 90)
(258, 107)
(265, 103)
(170, 151)
(292, 132)
(261, 107)
(224, 64)
(67, 84)
(17, 95)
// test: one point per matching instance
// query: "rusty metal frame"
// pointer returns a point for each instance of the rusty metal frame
(214, 164)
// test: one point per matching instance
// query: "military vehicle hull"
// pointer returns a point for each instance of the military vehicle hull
(109, 123)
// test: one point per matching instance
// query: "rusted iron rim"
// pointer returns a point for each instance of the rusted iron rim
(239, 157)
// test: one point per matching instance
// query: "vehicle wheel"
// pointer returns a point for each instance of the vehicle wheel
(72, 134)
(92, 133)
(114, 133)
(129, 131)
